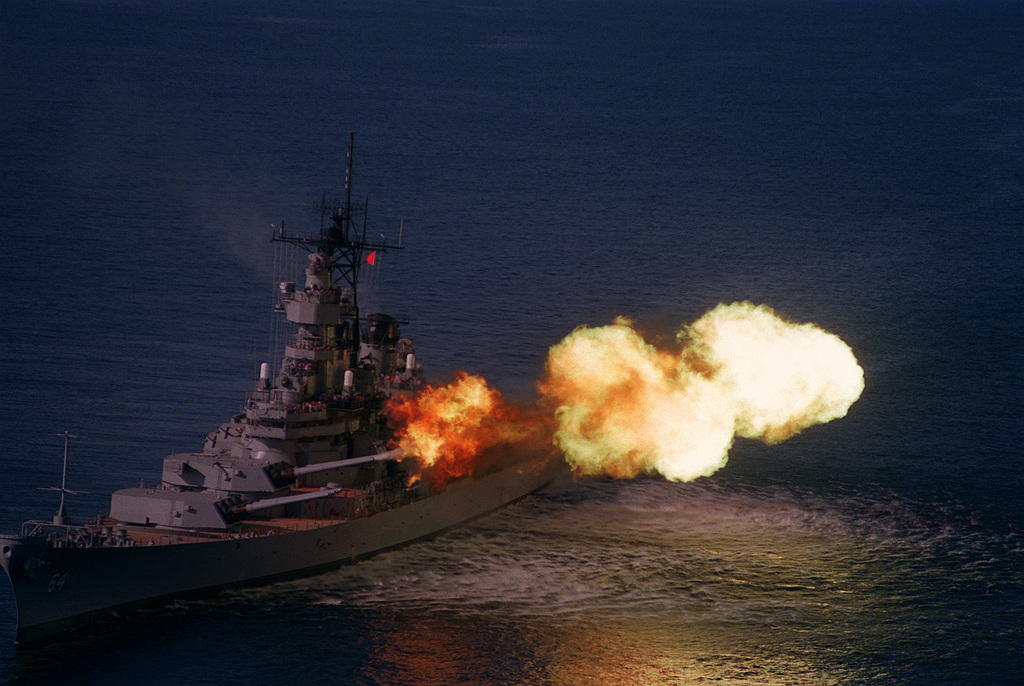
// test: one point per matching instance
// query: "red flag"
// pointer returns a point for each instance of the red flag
(371, 258)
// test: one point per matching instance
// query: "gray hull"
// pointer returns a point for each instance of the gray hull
(58, 589)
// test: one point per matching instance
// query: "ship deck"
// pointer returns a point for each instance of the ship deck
(361, 503)
(148, 535)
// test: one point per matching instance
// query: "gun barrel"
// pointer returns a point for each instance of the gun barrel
(350, 462)
(267, 503)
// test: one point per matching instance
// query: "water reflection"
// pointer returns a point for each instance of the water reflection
(439, 650)
(653, 583)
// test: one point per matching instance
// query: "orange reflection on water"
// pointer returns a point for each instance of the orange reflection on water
(445, 649)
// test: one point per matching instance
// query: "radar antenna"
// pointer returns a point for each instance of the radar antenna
(61, 517)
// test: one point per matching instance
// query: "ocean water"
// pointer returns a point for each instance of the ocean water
(854, 163)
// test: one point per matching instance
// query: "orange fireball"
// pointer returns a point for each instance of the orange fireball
(449, 429)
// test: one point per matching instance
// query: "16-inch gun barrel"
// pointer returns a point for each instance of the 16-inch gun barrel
(294, 472)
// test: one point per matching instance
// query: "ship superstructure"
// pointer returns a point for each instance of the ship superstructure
(298, 483)
(319, 421)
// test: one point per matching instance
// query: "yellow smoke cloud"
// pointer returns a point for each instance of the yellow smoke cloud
(623, 407)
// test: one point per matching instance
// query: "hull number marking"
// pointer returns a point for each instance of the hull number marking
(57, 582)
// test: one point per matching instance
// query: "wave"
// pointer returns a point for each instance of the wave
(664, 550)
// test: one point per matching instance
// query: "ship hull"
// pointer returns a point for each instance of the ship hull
(59, 589)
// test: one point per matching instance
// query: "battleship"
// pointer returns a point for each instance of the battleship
(305, 479)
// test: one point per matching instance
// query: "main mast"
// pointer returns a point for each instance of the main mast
(336, 257)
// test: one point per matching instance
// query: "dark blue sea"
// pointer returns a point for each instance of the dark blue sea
(858, 164)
